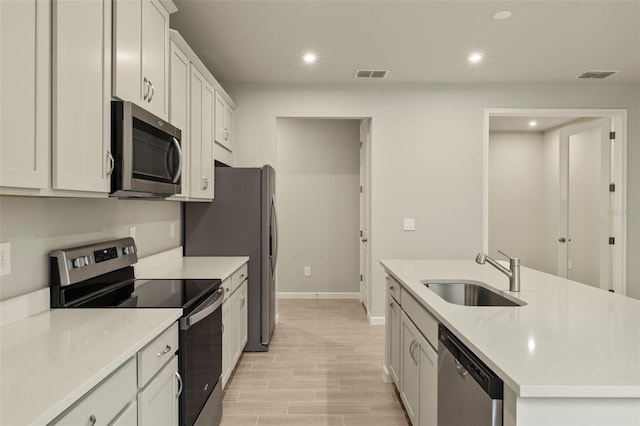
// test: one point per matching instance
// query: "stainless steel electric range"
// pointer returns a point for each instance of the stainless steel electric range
(101, 275)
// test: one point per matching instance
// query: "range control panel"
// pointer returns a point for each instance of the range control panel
(75, 264)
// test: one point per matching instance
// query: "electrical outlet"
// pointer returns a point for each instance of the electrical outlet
(132, 231)
(408, 224)
(307, 271)
(172, 230)
(5, 259)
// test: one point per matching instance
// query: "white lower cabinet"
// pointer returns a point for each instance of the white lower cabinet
(234, 320)
(102, 404)
(412, 359)
(393, 325)
(144, 391)
(158, 401)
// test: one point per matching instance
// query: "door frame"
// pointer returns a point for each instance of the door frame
(619, 198)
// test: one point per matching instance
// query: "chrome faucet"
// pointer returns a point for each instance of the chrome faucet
(513, 272)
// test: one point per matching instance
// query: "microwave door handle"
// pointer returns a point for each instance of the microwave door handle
(176, 177)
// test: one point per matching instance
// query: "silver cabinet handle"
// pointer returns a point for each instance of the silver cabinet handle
(205, 183)
(165, 351)
(413, 356)
(153, 91)
(146, 88)
(242, 300)
(179, 171)
(92, 420)
(179, 383)
(112, 163)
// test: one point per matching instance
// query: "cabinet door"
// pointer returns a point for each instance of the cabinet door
(244, 315)
(25, 82)
(179, 107)
(201, 136)
(226, 342)
(158, 401)
(223, 123)
(127, 46)
(228, 127)
(155, 56)
(410, 381)
(395, 343)
(81, 95)
(428, 362)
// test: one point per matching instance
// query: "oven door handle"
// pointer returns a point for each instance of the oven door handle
(178, 172)
(207, 308)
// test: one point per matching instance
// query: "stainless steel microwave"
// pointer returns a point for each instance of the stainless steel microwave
(147, 153)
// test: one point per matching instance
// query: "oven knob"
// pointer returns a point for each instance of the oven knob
(78, 262)
(129, 250)
(87, 260)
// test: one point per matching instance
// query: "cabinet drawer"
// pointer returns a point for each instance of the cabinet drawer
(104, 402)
(394, 288)
(239, 276)
(426, 322)
(156, 354)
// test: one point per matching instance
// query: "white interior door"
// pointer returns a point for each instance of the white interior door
(365, 135)
(584, 226)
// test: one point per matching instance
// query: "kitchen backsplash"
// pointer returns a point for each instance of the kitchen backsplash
(35, 226)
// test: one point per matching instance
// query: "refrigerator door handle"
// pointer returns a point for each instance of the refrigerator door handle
(274, 235)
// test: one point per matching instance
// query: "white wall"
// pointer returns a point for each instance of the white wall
(426, 154)
(516, 198)
(318, 205)
(35, 226)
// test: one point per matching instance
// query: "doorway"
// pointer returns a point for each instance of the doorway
(320, 208)
(554, 186)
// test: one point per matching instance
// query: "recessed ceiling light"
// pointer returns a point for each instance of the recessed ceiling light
(309, 58)
(533, 123)
(475, 57)
(504, 14)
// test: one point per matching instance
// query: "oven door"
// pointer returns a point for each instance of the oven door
(201, 360)
(148, 154)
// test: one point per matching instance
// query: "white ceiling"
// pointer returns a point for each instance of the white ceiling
(417, 41)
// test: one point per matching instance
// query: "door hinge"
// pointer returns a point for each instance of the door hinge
(612, 241)
(360, 277)
(611, 290)
(361, 234)
(612, 187)
(360, 144)
(612, 135)
(361, 189)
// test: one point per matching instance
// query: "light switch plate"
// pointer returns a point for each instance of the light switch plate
(5, 259)
(408, 224)
(307, 271)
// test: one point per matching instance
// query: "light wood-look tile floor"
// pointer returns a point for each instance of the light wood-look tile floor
(323, 368)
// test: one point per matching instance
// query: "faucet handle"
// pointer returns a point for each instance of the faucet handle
(507, 256)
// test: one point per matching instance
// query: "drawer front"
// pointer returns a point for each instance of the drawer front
(156, 354)
(239, 276)
(394, 288)
(103, 403)
(426, 322)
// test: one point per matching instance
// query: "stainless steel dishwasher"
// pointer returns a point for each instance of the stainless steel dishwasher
(469, 393)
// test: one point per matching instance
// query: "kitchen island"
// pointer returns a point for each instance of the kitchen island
(570, 356)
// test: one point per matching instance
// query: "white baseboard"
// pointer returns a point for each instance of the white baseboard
(319, 295)
(375, 320)
(386, 376)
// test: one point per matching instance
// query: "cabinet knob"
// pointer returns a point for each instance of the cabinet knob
(391, 287)
(92, 420)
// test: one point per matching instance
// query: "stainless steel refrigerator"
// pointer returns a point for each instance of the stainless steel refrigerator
(241, 221)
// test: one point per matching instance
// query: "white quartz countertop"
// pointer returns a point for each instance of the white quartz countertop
(167, 265)
(50, 360)
(570, 340)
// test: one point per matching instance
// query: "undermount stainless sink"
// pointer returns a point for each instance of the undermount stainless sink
(470, 293)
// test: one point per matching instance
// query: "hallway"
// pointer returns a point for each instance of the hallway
(324, 368)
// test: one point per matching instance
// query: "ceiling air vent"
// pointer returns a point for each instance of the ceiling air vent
(371, 73)
(596, 74)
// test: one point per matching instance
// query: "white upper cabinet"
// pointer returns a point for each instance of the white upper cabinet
(25, 86)
(179, 109)
(81, 107)
(141, 53)
(201, 135)
(224, 124)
